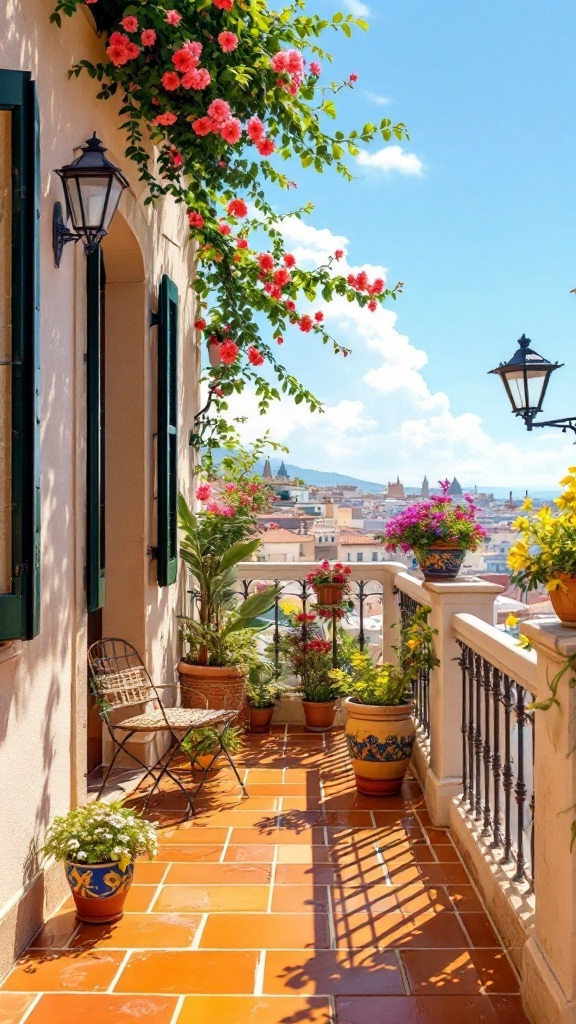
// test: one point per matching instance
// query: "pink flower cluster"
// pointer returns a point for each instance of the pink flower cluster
(362, 284)
(436, 519)
(289, 64)
(219, 121)
(256, 131)
(275, 277)
(121, 49)
(186, 61)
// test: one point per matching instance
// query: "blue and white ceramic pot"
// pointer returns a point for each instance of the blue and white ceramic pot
(442, 561)
(380, 740)
(99, 890)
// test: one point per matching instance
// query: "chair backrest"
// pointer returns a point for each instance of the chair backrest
(118, 676)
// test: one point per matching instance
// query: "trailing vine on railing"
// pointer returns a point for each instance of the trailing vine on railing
(215, 94)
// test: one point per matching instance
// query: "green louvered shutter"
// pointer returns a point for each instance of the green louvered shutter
(95, 474)
(167, 432)
(19, 358)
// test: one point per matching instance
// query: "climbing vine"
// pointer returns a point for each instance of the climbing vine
(216, 96)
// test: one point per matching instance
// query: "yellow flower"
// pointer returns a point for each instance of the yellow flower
(526, 504)
(412, 644)
(288, 606)
(511, 621)
(556, 585)
(124, 860)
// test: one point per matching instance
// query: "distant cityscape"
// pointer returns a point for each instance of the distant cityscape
(310, 522)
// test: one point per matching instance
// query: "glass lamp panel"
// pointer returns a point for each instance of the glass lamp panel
(113, 200)
(94, 192)
(515, 382)
(536, 383)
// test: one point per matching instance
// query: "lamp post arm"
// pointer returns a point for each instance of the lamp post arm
(569, 423)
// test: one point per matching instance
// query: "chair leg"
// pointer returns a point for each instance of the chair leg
(165, 770)
(234, 768)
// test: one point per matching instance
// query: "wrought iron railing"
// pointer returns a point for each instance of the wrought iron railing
(421, 689)
(498, 758)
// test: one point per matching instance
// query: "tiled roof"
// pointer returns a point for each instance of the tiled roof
(283, 536)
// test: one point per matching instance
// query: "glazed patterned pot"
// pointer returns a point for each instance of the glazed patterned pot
(328, 593)
(319, 715)
(380, 741)
(99, 890)
(564, 604)
(442, 561)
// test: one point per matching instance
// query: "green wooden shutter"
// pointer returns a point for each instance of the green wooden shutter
(20, 608)
(95, 444)
(167, 432)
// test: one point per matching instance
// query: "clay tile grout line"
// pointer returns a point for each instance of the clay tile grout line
(272, 879)
(259, 974)
(199, 931)
(403, 973)
(225, 846)
(177, 1010)
(33, 1005)
(159, 888)
(121, 967)
(331, 925)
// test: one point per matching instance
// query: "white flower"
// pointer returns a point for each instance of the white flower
(81, 855)
(73, 844)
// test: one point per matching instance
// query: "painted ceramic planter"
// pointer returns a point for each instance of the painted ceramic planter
(99, 890)
(442, 561)
(319, 715)
(380, 741)
(260, 719)
(564, 604)
(328, 593)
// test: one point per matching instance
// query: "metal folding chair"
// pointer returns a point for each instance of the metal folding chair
(120, 682)
(222, 695)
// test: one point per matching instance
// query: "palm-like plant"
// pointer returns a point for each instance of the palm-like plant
(224, 631)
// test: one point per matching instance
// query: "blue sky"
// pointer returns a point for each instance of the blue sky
(482, 235)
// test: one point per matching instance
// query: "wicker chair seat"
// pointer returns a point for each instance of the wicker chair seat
(175, 719)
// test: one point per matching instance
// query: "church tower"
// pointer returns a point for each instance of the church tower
(267, 471)
(283, 472)
(425, 488)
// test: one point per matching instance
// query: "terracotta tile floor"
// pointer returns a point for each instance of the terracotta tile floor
(303, 903)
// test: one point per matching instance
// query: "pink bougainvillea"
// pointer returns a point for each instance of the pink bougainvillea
(219, 111)
(231, 130)
(204, 492)
(173, 18)
(200, 325)
(197, 78)
(306, 323)
(228, 41)
(196, 220)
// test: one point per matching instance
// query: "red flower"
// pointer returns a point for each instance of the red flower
(200, 325)
(170, 80)
(280, 341)
(282, 277)
(339, 254)
(224, 5)
(242, 243)
(290, 304)
(319, 316)
(378, 286)
(255, 357)
(266, 147)
(237, 208)
(130, 23)
(224, 228)
(228, 41)
(353, 78)
(165, 119)
(266, 261)
(289, 259)
(175, 156)
(372, 305)
(203, 492)
(351, 280)
(196, 220)
(197, 78)
(306, 323)
(255, 129)
(218, 392)
(219, 111)
(231, 131)
(228, 352)
(148, 37)
(183, 60)
(173, 18)
(203, 126)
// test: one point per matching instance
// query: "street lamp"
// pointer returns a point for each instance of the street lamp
(526, 376)
(92, 189)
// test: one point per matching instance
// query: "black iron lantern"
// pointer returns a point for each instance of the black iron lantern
(525, 377)
(92, 188)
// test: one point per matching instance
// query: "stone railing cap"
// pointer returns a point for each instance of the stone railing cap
(551, 635)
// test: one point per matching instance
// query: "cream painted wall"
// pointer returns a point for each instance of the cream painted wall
(43, 682)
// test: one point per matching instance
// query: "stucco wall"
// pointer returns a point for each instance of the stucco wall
(43, 682)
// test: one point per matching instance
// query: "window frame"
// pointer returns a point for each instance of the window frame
(167, 439)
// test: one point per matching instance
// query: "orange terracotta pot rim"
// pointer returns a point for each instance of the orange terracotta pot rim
(189, 668)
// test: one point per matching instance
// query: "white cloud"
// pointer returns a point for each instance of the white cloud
(382, 101)
(357, 8)
(391, 158)
(390, 421)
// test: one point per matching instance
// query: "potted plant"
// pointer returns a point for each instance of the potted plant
(263, 691)
(546, 553)
(204, 745)
(220, 641)
(439, 531)
(309, 656)
(330, 583)
(380, 729)
(98, 844)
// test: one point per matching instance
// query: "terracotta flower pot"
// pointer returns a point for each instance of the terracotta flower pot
(260, 718)
(328, 593)
(214, 357)
(99, 890)
(319, 716)
(223, 688)
(202, 762)
(564, 604)
(441, 561)
(380, 741)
